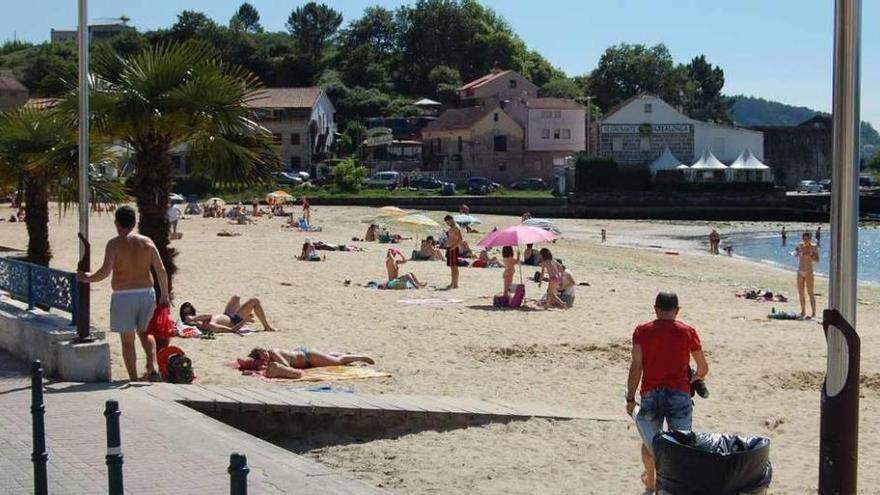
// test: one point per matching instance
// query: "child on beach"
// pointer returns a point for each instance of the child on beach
(280, 363)
(509, 261)
(555, 275)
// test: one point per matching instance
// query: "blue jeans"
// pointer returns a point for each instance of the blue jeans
(661, 404)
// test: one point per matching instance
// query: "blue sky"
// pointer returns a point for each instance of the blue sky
(777, 49)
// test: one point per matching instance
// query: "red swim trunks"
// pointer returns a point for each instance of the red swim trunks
(452, 257)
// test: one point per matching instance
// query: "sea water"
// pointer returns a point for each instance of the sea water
(768, 247)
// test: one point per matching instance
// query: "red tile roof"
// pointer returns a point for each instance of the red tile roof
(304, 97)
(459, 118)
(476, 83)
(42, 103)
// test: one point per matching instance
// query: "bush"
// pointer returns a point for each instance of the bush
(594, 173)
(199, 185)
(349, 175)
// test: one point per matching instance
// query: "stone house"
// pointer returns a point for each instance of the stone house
(801, 152)
(482, 141)
(13, 93)
(495, 87)
(302, 121)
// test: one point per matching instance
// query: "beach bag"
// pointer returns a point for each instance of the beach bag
(519, 294)
(501, 301)
(161, 327)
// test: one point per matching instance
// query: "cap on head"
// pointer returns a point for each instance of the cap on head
(666, 301)
(126, 217)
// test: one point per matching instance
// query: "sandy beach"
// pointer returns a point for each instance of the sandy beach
(765, 375)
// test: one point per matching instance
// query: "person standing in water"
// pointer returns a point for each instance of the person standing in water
(784, 235)
(807, 254)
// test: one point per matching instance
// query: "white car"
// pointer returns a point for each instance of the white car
(176, 198)
(809, 186)
(382, 179)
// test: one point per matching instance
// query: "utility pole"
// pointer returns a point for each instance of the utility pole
(589, 123)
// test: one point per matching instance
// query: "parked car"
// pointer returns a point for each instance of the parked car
(808, 186)
(287, 179)
(176, 198)
(427, 183)
(867, 181)
(533, 184)
(826, 185)
(382, 179)
(303, 175)
(480, 185)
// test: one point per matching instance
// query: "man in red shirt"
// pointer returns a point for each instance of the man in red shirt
(661, 355)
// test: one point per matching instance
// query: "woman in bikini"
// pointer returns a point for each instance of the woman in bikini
(235, 316)
(554, 277)
(807, 254)
(280, 363)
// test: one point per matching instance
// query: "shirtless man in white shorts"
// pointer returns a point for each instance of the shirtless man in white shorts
(129, 257)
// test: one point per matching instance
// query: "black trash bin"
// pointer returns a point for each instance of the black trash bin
(690, 463)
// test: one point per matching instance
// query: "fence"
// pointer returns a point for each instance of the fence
(40, 286)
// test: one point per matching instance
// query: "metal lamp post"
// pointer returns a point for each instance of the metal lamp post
(83, 322)
(839, 423)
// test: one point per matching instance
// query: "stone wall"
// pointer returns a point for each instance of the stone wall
(797, 153)
(681, 145)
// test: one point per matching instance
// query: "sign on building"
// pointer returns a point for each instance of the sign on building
(640, 128)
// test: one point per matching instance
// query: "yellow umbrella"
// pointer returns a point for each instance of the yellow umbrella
(384, 213)
(411, 223)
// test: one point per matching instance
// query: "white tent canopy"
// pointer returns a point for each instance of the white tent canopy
(666, 161)
(427, 102)
(747, 161)
(708, 162)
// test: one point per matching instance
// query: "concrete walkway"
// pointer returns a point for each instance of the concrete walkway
(168, 447)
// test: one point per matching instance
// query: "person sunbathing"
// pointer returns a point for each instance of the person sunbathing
(323, 246)
(309, 253)
(393, 260)
(484, 261)
(464, 250)
(429, 251)
(280, 363)
(234, 317)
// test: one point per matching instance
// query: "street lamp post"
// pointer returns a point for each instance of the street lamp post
(83, 322)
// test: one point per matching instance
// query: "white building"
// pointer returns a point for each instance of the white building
(554, 130)
(637, 132)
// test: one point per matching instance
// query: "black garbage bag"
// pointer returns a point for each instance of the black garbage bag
(690, 463)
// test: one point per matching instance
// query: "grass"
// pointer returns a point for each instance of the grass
(247, 195)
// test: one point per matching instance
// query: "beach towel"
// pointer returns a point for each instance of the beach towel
(323, 374)
(784, 315)
(430, 301)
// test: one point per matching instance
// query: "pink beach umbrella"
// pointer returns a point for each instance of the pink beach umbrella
(516, 235)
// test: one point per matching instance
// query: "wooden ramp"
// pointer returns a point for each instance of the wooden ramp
(290, 400)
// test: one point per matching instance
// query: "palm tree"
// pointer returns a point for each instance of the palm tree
(38, 151)
(179, 94)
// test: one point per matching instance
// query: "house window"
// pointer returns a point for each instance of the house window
(500, 143)
(294, 139)
(295, 162)
(439, 146)
(277, 139)
(545, 133)
(557, 114)
(496, 116)
(460, 145)
(617, 144)
(556, 133)
(649, 107)
(566, 134)
(644, 144)
(546, 114)
(513, 84)
(502, 166)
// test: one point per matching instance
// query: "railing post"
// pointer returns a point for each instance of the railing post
(238, 471)
(38, 410)
(114, 447)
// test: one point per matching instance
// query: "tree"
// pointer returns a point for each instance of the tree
(874, 163)
(703, 100)
(38, 150)
(313, 26)
(179, 94)
(247, 18)
(627, 70)
(445, 80)
(189, 23)
(562, 88)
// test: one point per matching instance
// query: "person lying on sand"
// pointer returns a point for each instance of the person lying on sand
(234, 317)
(323, 246)
(280, 363)
(393, 260)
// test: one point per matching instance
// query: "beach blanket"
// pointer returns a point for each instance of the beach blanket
(384, 286)
(323, 374)
(430, 301)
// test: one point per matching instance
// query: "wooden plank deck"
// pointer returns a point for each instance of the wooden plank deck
(296, 400)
